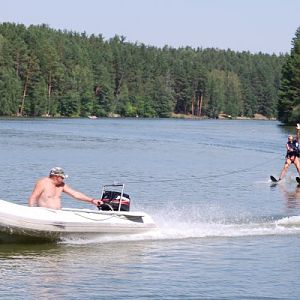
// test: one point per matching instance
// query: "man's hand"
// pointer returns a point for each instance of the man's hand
(96, 202)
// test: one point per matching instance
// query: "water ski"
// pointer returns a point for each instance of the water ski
(276, 180)
(273, 179)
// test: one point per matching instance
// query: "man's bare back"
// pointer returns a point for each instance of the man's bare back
(47, 191)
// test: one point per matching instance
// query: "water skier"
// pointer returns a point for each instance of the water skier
(292, 153)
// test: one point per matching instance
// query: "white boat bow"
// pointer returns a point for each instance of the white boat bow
(20, 221)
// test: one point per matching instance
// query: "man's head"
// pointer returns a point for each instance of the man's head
(290, 138)
(58, 172)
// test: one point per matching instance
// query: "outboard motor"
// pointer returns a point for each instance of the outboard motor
(112, 199)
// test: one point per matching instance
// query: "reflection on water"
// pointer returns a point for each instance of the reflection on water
(291, 195)
(71, 267)
(14, 251)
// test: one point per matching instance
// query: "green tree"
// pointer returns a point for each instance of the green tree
(10, 91)
(233, 96)
(38, 98)
(289, 95)
(69, 104)
(162, 97)
(215, 94)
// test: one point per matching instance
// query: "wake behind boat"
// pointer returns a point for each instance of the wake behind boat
(24, 223)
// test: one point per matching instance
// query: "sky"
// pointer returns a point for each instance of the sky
(266, 26)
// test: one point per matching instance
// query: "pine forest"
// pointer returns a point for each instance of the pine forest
(47, 72)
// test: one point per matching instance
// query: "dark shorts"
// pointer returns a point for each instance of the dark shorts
(291, 158)
(292, 154)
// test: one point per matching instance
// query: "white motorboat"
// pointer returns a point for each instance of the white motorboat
(23, 223)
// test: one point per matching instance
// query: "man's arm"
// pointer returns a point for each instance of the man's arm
(36, 193)
(298, 132)
(80, 196)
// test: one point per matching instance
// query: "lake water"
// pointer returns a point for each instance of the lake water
(223, 232)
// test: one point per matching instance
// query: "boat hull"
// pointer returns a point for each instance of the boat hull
(22, 223)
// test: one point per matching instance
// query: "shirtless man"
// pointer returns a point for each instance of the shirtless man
(47, 191)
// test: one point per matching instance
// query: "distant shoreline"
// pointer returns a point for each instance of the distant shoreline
(224, 117)
(173, 116)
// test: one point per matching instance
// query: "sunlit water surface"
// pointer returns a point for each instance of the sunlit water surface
(224, 231)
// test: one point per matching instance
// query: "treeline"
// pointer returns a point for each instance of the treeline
(61, 73)
(289, 93)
